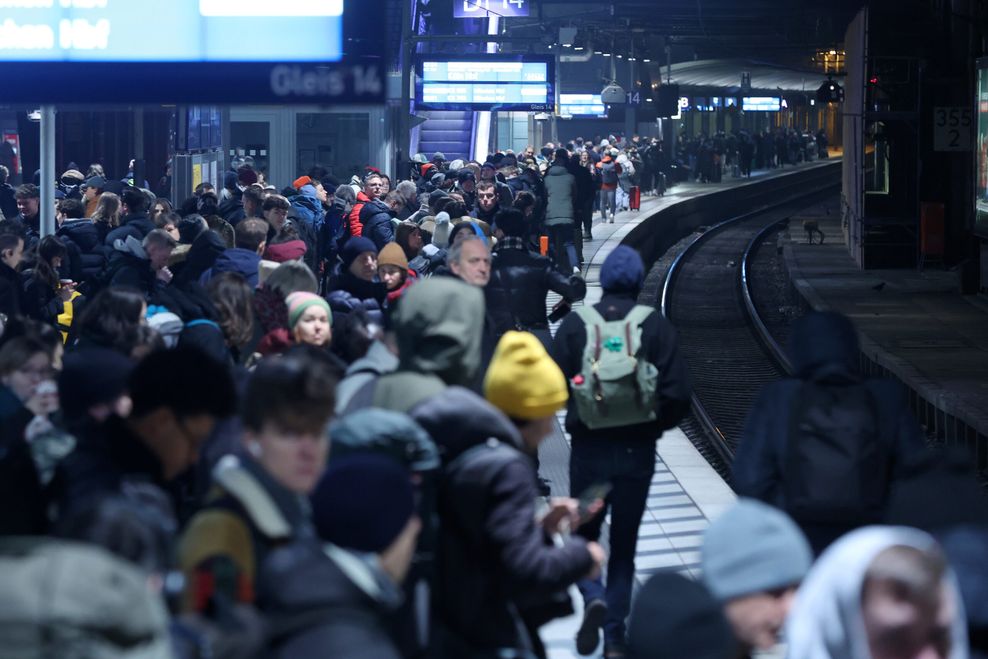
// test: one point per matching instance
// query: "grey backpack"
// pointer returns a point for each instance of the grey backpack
(617, 384)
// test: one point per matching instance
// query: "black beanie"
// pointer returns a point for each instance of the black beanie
(91, 376)
(363, 502)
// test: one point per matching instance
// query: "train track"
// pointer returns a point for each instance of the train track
(727, 343)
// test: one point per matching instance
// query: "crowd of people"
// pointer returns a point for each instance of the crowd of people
(707, 158)
(306, 422)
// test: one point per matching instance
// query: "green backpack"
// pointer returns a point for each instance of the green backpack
(617, 384)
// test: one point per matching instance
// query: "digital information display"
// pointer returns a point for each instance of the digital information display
(761, 103)
(581, 105)
(192, 44)
(512, 82)
(981, 151)
(488, 8)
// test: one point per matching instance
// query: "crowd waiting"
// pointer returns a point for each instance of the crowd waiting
(305, 423)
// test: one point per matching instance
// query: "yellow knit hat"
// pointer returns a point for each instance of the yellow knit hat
(523, 381)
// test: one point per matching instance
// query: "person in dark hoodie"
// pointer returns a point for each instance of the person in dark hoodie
(245, 258)
(134, 220)
(827, 403)
(141, 265)
(8, 205)
(621, 453)
(356, 285)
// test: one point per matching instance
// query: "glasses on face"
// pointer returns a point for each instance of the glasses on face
(485, 196)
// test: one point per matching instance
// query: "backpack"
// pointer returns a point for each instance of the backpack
(608, 173)
(77, 601)
(617, 385)
(837, 462)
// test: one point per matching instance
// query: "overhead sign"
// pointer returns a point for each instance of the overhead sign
(581, 105)
(953, 128)
(485, 82)
(199, 51)
(488, 8)
(761, 103)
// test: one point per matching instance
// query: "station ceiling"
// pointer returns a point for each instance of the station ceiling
(726, 73)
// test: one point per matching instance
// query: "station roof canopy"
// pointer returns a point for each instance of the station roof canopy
(726, 74)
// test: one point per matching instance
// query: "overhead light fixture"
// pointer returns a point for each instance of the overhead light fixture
(598, 52)
(607, 54)
(578, 48)
(646, 60)
(632, 59)
(620, 56)
(648, 100)
(34, 115)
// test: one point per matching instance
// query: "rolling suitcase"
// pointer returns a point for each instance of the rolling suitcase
(635, 198)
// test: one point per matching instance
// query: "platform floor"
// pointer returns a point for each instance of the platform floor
(915, 323)
(686, 492)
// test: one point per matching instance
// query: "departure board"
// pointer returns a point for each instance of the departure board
(581, 105)
(485, 82)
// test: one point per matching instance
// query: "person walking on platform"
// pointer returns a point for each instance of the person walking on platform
(619, 407)
(559, 218)
(827, 445)
(609, 172)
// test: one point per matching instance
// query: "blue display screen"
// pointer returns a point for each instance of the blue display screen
(171, 31)
(192, 51)
(761, 103)
(511, 82)
(581, 105)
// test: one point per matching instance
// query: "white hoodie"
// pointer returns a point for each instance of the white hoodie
(825, 622)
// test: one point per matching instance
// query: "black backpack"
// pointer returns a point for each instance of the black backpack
(838, 459)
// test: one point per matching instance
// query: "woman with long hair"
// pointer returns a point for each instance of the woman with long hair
(115, 319)
(234, 300)
(44, 294)
(107, 215)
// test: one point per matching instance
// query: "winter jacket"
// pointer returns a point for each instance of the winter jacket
(823, 353)
(661, 344)
(356, 228)
(308, 208)
(520, 280)
(10, 291)
(560, 186)
(128, 266)
(8, 205)
(137, 225)
(492, 554)
(231, 209)
(238, 260)
(610, 172)
(378, 361)
(348, 293)
(247, 515)
(375, 218)
(202, 255)
(324, 601)
(40, 301)
(86, 256)
(20, 484)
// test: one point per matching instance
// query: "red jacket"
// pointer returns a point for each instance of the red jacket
(356, 228)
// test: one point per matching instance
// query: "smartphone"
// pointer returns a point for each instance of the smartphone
(591, 495)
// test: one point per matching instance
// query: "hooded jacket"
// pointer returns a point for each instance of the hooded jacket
(308, 208)
(327, 602)
(85, 248)
(438, 326)
(823, 349)
(128, 266)
(826, 621)
(137, 225)
(238, 260)
(560, 187)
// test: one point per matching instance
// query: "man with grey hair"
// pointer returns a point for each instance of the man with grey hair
(469, 259)
(409, 198)
(141, 265)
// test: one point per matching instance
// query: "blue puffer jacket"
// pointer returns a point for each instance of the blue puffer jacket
(308, 208)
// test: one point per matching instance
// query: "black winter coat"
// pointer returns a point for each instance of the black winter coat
(136, 224)
(40, 300)
(10, 291)
(84, 245)
(520, 280)
(492, 555)
(375, 217)
(662, 345)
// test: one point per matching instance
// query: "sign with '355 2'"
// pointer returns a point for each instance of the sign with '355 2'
(487, 8)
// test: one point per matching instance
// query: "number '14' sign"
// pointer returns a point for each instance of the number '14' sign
(484, 8)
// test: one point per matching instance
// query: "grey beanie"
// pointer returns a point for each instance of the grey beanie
(753, 548)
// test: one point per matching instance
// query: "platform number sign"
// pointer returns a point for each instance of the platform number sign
(487, 8)
(953, 128)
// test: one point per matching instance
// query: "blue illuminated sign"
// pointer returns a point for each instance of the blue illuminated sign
(581, 105)
(761, 103)
(487, 8)
(201, 51)
(485, 82)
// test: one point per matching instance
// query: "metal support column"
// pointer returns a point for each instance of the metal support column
(48, 175)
